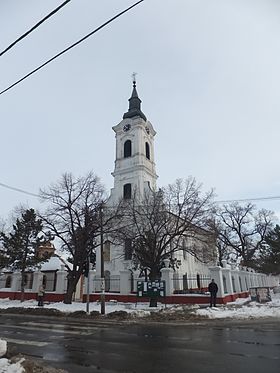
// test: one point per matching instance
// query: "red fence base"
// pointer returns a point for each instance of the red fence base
(28, 296)
(173, 299)
(132, 298)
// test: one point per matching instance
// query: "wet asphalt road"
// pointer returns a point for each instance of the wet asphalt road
(81, 346)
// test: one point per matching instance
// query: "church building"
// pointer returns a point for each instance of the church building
(135, 172)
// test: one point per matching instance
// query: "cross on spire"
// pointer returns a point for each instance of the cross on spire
(134, 79)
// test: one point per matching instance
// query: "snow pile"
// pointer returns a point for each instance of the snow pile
(111, 306)
(249, 311)
(3, 347)
(5, 365)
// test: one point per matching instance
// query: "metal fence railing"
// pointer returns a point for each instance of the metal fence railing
(49, 281)
(112, 284)
(191, 283)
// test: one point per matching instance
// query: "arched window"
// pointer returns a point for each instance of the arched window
(30, 281)
(225, 284)
(185, 282)
(106, 251)
(147, 150)
(198, 281)
(184, 250)
(127, 191)
(44, 282)
(8, 283)
(127, 149)
(233, 284)
(128, 249)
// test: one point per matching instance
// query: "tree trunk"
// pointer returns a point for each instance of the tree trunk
(22, 287)
(72, 283)
(153, 302)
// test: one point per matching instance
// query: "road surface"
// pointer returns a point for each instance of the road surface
(82, 346)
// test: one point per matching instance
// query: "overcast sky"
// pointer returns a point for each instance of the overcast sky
(208, 76)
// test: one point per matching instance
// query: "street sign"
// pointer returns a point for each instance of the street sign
(102, 284)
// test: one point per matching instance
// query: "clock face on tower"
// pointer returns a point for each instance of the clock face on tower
(126, 127)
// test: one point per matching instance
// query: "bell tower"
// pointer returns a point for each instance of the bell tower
(134, 164)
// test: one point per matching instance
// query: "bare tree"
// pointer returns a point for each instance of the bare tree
(158, 224)
(223, 252)
(73, 216)
(241, 229)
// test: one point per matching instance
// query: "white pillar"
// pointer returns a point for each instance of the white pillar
(167, 276)
(245, 286)
(91, 274)
(2, 280)
(226, 273)
(235, 274)
(96, 282)
(16, 278)
(61, 281)
(37, 281)
(125, 286)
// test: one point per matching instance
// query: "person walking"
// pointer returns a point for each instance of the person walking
(213, 289)
(41, 293)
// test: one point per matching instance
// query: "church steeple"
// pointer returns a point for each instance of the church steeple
(134, 170)
(134, 109)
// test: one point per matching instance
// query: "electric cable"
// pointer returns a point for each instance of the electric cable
(19, 190)
(70, 47)
(250, 199)
(224, 201)
(34, 27)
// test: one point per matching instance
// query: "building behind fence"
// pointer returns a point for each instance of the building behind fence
(232, 283)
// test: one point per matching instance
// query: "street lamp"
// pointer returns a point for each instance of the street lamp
(102, 279)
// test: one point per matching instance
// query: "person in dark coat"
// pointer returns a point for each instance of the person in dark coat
(213, 289)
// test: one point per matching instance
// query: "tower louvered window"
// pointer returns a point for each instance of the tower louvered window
(127, 149)
(128, 249)
(147, 150)
(127, 191)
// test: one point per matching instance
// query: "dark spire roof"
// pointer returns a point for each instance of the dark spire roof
(134, 109)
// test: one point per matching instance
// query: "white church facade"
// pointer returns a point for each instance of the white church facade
(135, 172)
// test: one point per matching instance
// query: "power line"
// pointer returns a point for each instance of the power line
(225, 201)
(70, 47)
(34, 27)
(19, 190)
(250, 199)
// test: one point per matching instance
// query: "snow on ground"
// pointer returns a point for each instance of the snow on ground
(3, 347)
(240, 309)
(7, 367)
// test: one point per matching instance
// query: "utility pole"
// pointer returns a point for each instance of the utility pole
(88, 264)
(102, 279)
